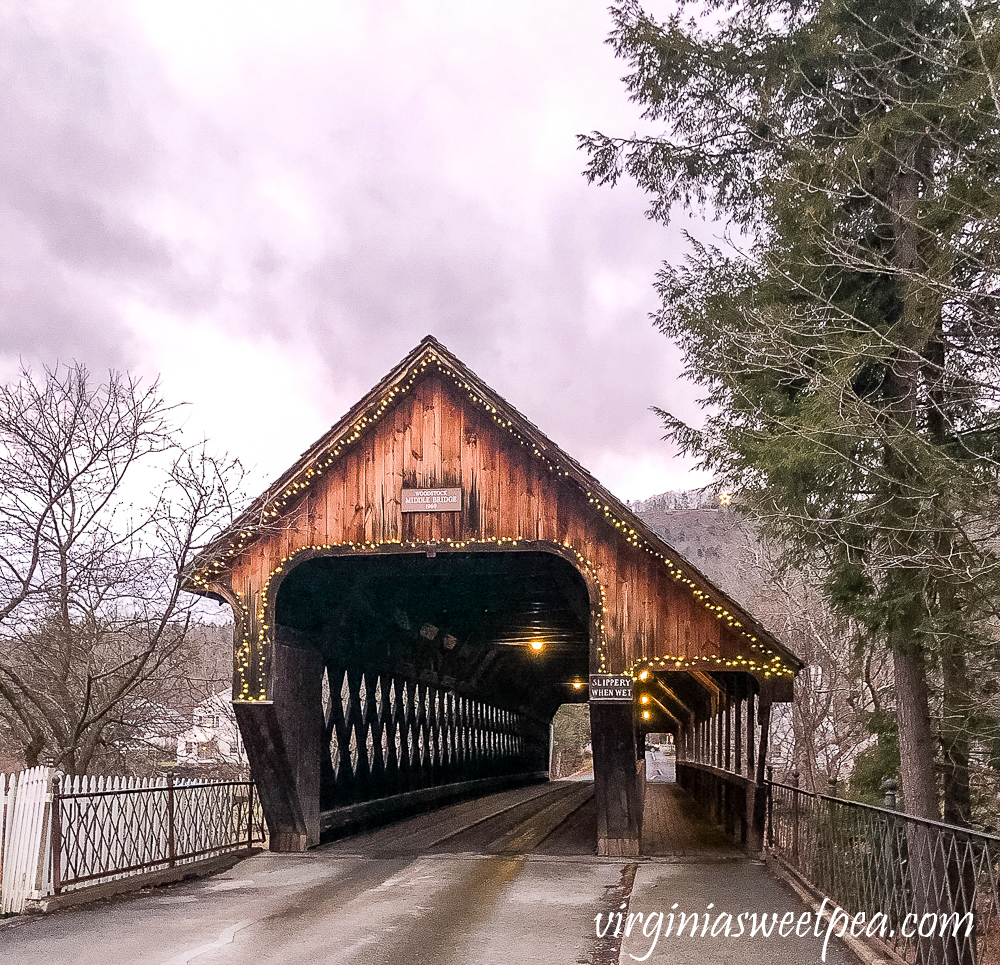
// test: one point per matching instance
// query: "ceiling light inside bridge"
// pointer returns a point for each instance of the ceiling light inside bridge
(577, 684)
(645, 698)
(537, 645)
(645, 715)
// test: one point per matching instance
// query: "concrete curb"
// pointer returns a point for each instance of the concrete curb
(108, 889)
(861, 950)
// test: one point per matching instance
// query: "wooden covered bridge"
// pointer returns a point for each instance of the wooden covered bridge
(421, 591)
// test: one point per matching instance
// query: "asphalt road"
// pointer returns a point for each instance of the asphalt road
(660, 767)
(509, 878)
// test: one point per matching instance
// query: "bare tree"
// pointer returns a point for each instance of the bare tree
(843, 688)
(823, 732)
(101, 504)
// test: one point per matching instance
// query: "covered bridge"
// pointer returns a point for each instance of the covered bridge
(421, 591)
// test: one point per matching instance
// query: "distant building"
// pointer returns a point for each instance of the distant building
(159, 730)
(213, 737)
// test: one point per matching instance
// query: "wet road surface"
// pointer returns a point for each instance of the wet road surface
(504, 879)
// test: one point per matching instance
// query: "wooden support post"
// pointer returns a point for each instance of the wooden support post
(728, 794)
(283, 741)
(728, 735)
(765, 735)
(719, 732)
(738, 736)
(616, 788)
(759, 796)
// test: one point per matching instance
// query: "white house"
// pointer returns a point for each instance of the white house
(213, 737)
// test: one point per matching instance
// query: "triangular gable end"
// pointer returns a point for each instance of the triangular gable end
(431, 423)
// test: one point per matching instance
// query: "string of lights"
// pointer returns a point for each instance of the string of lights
(217, 560)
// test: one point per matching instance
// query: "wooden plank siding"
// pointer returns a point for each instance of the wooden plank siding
(516, 486)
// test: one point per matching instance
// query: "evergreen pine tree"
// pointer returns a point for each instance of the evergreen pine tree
(850, 349)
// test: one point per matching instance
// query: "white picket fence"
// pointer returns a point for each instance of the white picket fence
(26, 812)
(59, 833)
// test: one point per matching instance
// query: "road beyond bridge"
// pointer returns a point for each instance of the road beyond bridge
(507, 878)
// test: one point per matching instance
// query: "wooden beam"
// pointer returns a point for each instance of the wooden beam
(616, 785)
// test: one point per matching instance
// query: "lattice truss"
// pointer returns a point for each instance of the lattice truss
(387, 735)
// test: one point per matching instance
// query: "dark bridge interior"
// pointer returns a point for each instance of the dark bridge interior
(509, 627)
(434, 670)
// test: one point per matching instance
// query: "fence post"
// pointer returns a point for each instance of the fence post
(836, 868)
(250, 818)
(44, 838)
(171, 837)
(56, 835)
(795, 818)
(770, 805)
(894, 899)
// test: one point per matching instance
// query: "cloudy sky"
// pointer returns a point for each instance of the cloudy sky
(268, 204)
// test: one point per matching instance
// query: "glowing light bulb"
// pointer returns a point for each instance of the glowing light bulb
(537, 645)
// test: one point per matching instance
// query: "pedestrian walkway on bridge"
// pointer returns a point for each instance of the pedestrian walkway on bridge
(672, 827)
(509, 877)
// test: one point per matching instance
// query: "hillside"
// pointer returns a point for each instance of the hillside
(712, 537)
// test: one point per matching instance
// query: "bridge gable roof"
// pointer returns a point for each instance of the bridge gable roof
(263, 521)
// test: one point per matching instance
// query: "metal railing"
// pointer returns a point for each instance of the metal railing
(929, 892)
(100, 831)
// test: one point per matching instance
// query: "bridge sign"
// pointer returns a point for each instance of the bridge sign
(431, 501)
(610, 688)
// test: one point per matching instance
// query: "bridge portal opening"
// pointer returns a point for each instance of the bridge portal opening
(432, 669)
